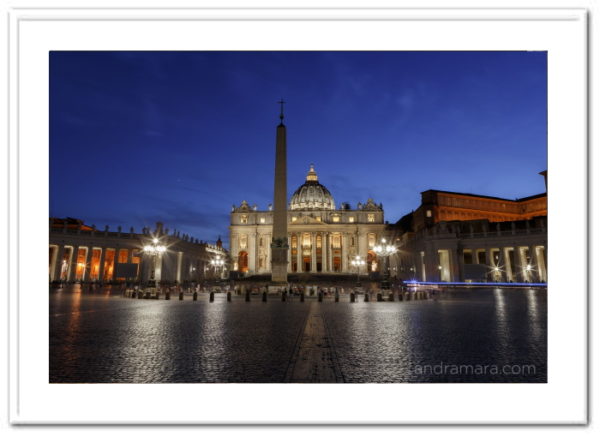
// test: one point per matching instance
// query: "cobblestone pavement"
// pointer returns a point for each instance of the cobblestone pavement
(99, 337)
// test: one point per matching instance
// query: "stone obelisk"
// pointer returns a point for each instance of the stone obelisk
(279, 244)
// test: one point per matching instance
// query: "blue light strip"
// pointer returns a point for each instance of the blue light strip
(492, 284)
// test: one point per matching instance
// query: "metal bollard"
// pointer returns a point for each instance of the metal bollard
(264, 296)
(302, 297)
(352, 298)
(181, 295)
(391, 297)
(366, 297)
(320, 296)
(211, 296)
(283, 296)
(195, 295)
(168, 295)
(379, 297)
(229, 296)
(337, 297)
(247, 295)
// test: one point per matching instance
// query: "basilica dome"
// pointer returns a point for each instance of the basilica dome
(311, 194)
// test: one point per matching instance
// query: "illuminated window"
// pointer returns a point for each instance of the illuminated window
(262, 219)
(428, 213)
(371, 218)
(294, 242)
(244, 219)
(351, 219)
(371, 239)
(306, 239)
(243, 241)
(318, 219)
(336, 218)
(319, 241)
(337, 241)
(294, 219)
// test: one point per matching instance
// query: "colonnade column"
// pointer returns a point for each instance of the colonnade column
(519, 265)
(488, 264)
(101, 264)
(71, 271)
(87, 264)
(60, 253)
(504, 262)
(535, 265)
(459, 253)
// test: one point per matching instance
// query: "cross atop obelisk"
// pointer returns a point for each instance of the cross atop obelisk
(281, 102)
(279, 244)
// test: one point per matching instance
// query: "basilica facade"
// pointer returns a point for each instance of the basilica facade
(322, 237)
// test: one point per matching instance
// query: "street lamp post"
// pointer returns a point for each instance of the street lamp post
(384, 250)
(217, 262)
(357, 262)
(156, 250)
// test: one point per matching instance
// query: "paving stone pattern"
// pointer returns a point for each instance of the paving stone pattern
(104, 338)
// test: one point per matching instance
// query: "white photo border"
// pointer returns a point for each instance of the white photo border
(560, 32)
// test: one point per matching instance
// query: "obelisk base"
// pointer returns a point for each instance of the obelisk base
(279, 265)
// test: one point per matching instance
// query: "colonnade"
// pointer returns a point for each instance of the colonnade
(89, 263)
(516, 263)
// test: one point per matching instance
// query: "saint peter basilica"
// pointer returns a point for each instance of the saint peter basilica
(322, 237)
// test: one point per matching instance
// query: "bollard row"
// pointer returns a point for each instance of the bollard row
(391, 297)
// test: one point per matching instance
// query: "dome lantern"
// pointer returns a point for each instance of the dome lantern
(312, 195)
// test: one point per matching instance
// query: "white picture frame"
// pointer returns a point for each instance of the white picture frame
(35, 31)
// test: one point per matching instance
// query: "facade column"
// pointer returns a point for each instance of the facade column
(324, 252)
(299, 252)
(331, 252)
(313, 252)
(344, 252)
(289, 267)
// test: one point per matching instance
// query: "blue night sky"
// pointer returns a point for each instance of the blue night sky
(179, 137)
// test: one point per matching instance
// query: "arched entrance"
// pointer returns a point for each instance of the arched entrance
(243, 261)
